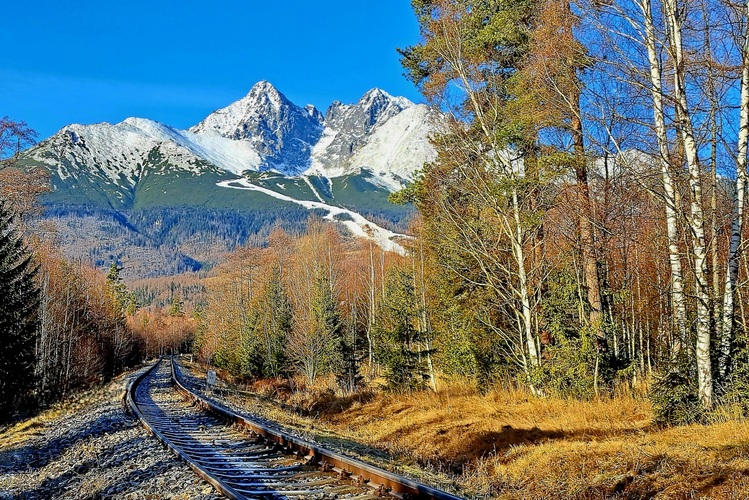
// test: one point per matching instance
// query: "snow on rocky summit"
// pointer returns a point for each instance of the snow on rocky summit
(264, 130)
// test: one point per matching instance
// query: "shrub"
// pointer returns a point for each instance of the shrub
(569, 370)
(674, 398)
(735, 397)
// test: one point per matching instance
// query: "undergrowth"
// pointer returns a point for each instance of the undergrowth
(507, 443)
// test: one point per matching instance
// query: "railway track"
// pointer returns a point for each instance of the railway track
(243, 458)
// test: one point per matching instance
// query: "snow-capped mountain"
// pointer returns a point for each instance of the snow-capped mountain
(388, 136)
(119, 151)
(157, 196)
(282, 133)
(385, 134)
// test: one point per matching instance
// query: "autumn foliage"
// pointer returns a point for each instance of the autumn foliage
(83, 338)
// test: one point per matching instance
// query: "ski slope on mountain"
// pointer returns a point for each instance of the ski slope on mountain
(354, 222)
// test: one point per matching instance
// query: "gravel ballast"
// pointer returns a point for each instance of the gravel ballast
(92, 448)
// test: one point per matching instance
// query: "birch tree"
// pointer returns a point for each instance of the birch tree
(674, 19)
(732, 271)
(656, 92)
(672, 90)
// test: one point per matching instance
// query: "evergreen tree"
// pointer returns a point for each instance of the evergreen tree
(482, 214)
(177, 307)
(329, 324)
(318, 327)
(124, 299)
(266, 331)
(279, 326)
(252, 351)
(201, 329)
(19, 319)
(349, 359)
(400, 349)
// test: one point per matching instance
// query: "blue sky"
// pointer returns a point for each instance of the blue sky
(175, 62)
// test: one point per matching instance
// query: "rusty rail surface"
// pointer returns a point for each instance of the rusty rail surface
(375, 481)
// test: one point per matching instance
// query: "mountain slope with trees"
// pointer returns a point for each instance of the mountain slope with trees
(134, 182)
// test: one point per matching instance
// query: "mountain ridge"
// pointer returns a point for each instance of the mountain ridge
(158, 199)
(262, 131)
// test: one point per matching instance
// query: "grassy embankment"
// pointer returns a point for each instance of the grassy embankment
(509, 444)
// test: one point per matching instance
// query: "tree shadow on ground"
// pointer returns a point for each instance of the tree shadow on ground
(86, 479)
(31, 457)
(459, 445)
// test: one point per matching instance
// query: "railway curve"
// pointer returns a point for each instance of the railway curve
(243, 458)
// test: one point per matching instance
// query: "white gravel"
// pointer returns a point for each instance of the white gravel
(93, 449)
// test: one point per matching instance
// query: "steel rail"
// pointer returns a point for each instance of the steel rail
(222, 487)
(362, 472)
(383, 483)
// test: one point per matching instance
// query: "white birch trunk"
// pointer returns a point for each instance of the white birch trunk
(677, 280)
(517, 250)
(696, 219)
(732, 270)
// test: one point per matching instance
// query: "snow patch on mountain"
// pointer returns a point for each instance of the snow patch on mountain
(400, 145)
(320, 149)
(232, 156)
(358, 225)
(312, 188)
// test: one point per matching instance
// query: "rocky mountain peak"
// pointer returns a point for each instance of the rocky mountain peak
(374, 108)
(264, 130)
(314, 113)
(264, 94)
(279, 130)
(263, 98)
(379, 100)
(349, 127)
(334, 112)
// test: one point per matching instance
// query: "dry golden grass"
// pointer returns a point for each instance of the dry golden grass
(20, 432)
(510, 444)
(691, 462)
